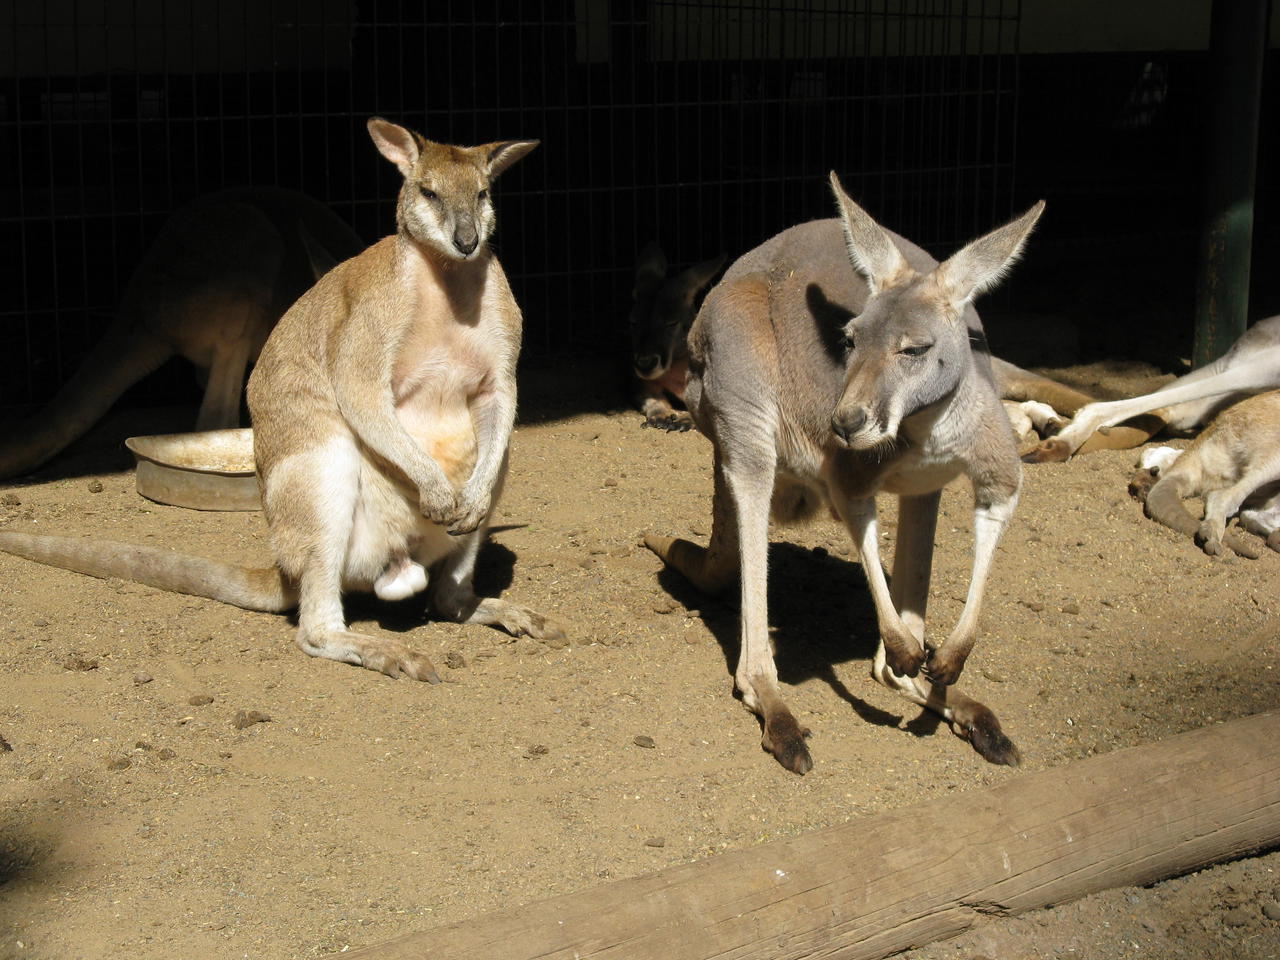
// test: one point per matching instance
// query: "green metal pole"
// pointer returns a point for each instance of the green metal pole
(1237, 44)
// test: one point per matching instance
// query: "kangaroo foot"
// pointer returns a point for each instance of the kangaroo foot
(373, 653)
(784, 738)
(979, 726)
(1053, 450)
(1273, 540)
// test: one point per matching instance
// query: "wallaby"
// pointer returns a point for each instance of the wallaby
(220, 274)
(818, 382)
(382, 407)
(1250, 366)
(1235, 465)
(662, 310)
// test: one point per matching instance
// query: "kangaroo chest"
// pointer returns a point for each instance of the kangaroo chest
(445, 361)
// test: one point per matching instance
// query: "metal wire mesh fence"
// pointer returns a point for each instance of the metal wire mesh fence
(705, 125)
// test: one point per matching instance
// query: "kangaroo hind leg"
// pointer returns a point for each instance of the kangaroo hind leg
(314, 497)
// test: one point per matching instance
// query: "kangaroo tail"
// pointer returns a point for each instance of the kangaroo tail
(251, 588)
(123, 357)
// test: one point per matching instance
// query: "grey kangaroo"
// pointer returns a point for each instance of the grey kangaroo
(220, 274)
(818, 383)
(662, 310)
(382, 408)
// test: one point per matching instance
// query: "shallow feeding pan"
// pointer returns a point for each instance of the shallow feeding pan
(208, 470)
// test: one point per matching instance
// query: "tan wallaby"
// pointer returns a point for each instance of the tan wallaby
(382, 407)
(820, 383)
(220, 274)
(662, 310)
(1235, 465)
(1249, 367)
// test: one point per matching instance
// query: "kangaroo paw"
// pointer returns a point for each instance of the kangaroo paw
(397, 660)
(784, 738)
(677, 421)
(905, 658)
(943, 667)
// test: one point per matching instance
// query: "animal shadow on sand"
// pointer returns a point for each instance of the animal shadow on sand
(820, 614)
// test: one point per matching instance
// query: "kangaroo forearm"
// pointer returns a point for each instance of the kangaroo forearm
(378, 429)
(494, 419)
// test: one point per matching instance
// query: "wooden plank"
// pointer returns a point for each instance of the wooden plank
(873, 887)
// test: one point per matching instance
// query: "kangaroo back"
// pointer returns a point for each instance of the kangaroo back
(251, 588)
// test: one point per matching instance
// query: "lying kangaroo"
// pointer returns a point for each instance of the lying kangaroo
(1235, 465)
(816, 383)
(662, 310)
(1251, 366)
(222, 271)
(382, 407)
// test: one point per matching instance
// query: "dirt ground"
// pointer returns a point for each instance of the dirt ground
(137, 819)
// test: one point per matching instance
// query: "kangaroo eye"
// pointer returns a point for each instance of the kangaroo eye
(847, 341)
(482, 194)
(429, 194)
(918, 350)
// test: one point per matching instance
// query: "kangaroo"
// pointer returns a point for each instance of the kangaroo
(1235, 465)
(220, 274)
(1250, 366)
(818, 382)
(382, 407)
(662, 310)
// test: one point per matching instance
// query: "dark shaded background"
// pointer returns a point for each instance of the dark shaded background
(707, 125)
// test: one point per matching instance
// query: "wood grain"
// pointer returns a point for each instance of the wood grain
(881, 884)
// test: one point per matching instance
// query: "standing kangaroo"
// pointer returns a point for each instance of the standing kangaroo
(662, 310)
(816, 383)
(382, 408)
(220, 274)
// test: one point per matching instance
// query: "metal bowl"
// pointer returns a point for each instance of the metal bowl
(208, 470)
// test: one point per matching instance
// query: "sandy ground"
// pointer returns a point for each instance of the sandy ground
(138, 819)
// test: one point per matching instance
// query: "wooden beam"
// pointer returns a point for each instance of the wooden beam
(881, 884)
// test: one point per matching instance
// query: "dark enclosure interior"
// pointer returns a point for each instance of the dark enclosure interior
(705, 125)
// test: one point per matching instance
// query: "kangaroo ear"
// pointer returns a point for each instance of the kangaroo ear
(651, 269)
(499, 156)
(700, 275)
(984, 262)
(872, 250)
(396, 143)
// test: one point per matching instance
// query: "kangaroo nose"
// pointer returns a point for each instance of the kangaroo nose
(647, 363)
(465, 242)
(847, 421)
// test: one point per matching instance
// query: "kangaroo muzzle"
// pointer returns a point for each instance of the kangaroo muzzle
(848, 422)
(465, 238)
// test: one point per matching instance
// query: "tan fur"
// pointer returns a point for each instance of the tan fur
(382, 408)
(1235, 465)
(221, 273)
(797, 421)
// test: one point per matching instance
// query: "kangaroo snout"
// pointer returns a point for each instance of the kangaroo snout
(847, 421)
(465, 239)
(648, 365)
